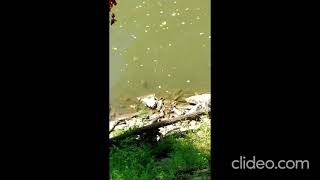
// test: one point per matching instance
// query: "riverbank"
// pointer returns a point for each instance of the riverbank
(179, 150)
(128, 103)
(184, 155)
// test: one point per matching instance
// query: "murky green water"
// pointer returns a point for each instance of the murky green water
(159, 46)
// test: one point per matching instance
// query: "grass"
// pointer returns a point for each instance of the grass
(170, 158)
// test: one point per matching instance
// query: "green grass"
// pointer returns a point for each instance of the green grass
(167, 159)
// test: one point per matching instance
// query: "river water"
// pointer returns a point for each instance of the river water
(159, 46)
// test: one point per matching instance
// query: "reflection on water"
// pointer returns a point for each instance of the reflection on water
(159, 47)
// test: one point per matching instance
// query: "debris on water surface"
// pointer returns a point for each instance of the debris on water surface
(149, 100)
(160, 104)
(133, 106)
(203, 98)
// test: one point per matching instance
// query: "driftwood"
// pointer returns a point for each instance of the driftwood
(121, 119)
(156, 125)
(168, 117)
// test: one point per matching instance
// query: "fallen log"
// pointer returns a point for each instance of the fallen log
(156, 125)
(119, 120)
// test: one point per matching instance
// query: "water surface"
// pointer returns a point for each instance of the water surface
(159, 46)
